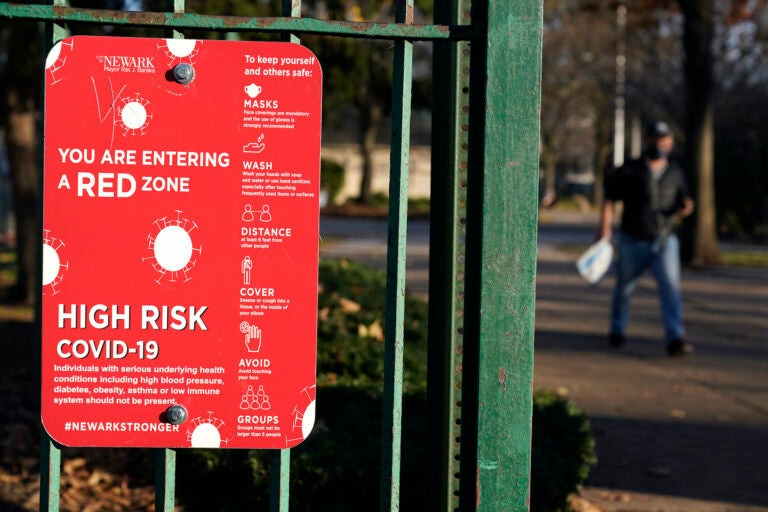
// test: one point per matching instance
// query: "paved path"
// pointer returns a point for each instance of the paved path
(672, 434)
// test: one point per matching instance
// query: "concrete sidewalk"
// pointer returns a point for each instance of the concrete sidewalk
(672, 435)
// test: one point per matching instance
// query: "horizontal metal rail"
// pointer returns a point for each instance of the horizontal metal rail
(393, 31)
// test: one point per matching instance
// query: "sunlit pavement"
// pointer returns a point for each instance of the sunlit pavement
(672, 434)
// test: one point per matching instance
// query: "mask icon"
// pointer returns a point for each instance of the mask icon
(252, 90)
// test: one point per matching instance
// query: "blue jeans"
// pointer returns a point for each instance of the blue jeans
(664, 261)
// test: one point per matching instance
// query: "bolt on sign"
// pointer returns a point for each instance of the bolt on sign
(180, 243)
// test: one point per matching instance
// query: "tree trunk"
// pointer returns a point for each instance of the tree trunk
(697, 42)
(370, 117)
(20, 82)
(706, 250)
(603, 166)
(549, 185)
(21, 144)
(603, 158)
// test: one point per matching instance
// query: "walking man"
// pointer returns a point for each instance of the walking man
(655, 199)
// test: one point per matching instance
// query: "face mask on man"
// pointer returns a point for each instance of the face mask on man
(655, 153)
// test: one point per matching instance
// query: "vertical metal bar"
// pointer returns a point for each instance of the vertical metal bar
(448, 232)
(506, 75)
(178, 7)
(292, 8)
(279, 481)
(396, 245)
(50, 474)
(280, 474)
(165, 479)
(50, 456)
(165, 458)
(59, 31)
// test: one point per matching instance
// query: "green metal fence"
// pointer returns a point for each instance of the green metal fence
(486, 98)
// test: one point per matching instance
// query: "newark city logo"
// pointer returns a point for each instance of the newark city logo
(127, 64)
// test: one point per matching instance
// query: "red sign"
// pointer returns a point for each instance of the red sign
(180, 243)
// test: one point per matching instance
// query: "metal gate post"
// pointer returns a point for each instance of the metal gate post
(50, 474)
(50, 452)
(447, 235)
(501, 256)
(391, 427)
(165, 458)
(279, 480)
(280, 460)
(165, 479)
(483, 256)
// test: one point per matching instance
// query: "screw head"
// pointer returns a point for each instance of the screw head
(183, 73)
(176, 414)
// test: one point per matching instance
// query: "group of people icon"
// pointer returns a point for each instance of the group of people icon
(255, 400)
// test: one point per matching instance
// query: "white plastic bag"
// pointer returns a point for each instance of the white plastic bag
(595, 262)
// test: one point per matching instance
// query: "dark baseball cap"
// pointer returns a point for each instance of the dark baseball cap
(658, 129)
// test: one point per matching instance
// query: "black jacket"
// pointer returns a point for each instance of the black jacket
(649, 204)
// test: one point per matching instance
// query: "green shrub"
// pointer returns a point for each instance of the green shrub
(350, 345)
(337, 467)
(563, 451)
(331, 178)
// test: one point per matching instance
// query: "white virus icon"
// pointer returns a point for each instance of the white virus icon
(205, 432)
(172, 248)
(53, 268)
(56, 59)
(303, 415)
(133, 115)
(180, 50)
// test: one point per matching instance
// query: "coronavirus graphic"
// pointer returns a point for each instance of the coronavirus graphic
(172, 248)
(303, 416)
(54, 265)
(205, 432)
(133, 115)
(56, 59)
(180, 50)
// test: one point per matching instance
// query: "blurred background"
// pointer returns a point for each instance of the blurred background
(609, 67)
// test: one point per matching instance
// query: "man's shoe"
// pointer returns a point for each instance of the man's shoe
(678, 347)
(616, 340)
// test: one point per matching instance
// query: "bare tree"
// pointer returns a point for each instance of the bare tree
(577, 82)
(692, 22)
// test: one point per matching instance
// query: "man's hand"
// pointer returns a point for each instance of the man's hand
(686, 209)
